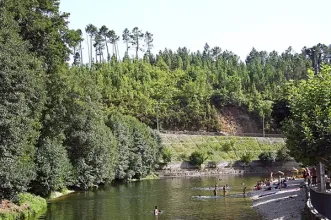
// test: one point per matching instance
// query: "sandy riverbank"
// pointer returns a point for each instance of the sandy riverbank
(288, 204)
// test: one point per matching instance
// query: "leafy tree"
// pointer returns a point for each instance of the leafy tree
(22, 96)
(283, 154)
(126, 38)
(246, 158)
(149, 44)
(104, 32)
(307, 129)
(167, 155)
(197, 158)
(91, 30)
(267, 157)
(136, 37)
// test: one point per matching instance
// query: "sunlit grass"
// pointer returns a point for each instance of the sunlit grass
(220, 148)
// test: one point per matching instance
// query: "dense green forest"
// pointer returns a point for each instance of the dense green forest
(82, 125)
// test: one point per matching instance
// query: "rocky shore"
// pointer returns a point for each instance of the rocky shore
(287, 204)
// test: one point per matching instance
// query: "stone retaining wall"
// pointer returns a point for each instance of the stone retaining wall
(223, 168)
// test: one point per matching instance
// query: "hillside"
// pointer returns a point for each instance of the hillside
(219, 148)
(234, 119)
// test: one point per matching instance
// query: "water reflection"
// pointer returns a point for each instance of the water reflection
(175, 197)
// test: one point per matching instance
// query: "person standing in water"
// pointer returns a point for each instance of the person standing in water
(224, 191)
(244, 191)
(156, 211)
(215, 190)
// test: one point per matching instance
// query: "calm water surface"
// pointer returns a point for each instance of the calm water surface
(175, 197)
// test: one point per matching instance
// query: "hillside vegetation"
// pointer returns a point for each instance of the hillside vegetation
(86, 124)
(219, 148)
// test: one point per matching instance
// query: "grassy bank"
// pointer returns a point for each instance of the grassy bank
(27, 206)
(219, 148)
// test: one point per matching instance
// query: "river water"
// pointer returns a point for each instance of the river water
(177, 198)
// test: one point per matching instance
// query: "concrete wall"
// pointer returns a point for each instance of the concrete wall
(321, 202)
(225, 167)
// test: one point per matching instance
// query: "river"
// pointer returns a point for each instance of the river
(175, 197)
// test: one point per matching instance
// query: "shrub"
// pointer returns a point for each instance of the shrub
(267, 157)
(283, 155)
(226, 146)
(167, 154)
(246, 158)
(197, 158)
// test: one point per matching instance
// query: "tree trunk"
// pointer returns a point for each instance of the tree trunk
(118, 52)
(107, 49)
(96, 54)
(88, 51)
(137, 48)
(81, 53)
(91, 49)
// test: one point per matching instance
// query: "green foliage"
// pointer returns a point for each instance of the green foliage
(246, 158)
(283, 154)
(54, 170)
(139, 148)
(21, 100)
(226, 147)
(36, 204)
(267, 157)
(30, 207)
(197, 158)
(308, 128)
(167, 154)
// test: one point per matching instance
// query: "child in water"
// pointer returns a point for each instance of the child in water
(156, 211)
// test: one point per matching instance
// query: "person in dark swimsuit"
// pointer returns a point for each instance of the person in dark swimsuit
(215, 191)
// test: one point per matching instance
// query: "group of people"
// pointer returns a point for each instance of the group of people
(310, 176)
(226, 186)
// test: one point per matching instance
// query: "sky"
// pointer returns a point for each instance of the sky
(234, 25)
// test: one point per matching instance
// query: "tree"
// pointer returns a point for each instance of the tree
(22, 96)
(103, 31)
(113, 40)
(267, 157)
(197, 158)
(126, 38)
(91, 30)
(45, 28)
(216, 51)
(99, 45)
(149, 42)
(246, 158)
(136, 37)
(307, 129)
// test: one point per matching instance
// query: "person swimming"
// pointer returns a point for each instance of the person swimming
(156, 211)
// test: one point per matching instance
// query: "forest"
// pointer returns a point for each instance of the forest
(80, 124)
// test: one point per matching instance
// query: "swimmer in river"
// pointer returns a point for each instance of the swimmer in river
(156, 211)
(244, 191)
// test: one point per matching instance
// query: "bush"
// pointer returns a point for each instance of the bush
(226, 147)
(246, 158)
(197, 158)
(167, 154)
(27, 206)
(267, 157)
(283, 154)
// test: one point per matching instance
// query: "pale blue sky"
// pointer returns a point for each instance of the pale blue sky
(237, 25)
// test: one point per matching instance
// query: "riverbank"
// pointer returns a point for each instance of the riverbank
(287, 204)
(27, 206)
(55, 195)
